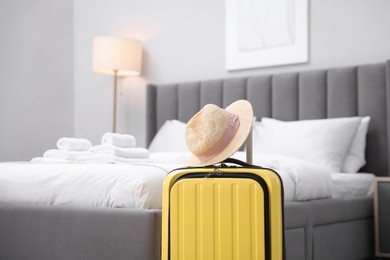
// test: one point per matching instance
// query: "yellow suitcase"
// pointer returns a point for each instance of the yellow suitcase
(222, 213)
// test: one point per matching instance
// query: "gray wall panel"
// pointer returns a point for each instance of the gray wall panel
(342, 92)
(259, 93)
(211, 92)
(372, 95)
(189, 100)
(151, 113)
(285, 96)
(233, 89)
(312, 95)
(167, 104)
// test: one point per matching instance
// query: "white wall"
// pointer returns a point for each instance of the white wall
(184, 41)
(36, 76)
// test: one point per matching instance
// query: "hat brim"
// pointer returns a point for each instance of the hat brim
(243, 109)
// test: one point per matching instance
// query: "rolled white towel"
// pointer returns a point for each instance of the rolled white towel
(136, 152)
(119, 140)
(64, 155)
(73, 144)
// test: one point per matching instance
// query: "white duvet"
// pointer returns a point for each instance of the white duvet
(139, 185)
(94, 184)
(304, 180)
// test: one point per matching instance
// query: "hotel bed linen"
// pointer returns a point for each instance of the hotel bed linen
(139, 185)
(304, 180)
(352, 185)
(93, 184)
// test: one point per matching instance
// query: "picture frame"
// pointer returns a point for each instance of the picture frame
(265, 33)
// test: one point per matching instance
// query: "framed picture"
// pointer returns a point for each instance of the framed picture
(264, 33)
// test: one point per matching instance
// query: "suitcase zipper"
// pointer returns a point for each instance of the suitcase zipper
(216, 172)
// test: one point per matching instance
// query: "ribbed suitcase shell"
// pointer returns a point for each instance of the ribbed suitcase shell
(235, 214)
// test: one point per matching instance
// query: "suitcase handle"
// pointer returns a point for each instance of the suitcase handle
(239, 162)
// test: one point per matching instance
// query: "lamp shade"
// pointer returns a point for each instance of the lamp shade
(119, 54)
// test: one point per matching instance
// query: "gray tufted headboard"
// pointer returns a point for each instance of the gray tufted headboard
(338, 92)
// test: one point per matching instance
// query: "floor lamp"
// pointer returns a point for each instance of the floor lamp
(117, 56)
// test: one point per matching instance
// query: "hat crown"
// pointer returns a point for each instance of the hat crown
(213, 134)
(206, 128)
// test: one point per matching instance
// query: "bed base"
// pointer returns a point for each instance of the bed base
(337, 229)
(40, 232)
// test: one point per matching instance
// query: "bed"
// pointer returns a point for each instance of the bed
(329, 228)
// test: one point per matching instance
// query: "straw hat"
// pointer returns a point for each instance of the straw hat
(213, 134)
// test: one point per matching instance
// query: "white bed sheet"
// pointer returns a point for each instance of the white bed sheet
(352, 185)
(92, 184)
(304, 180)
(139, 185)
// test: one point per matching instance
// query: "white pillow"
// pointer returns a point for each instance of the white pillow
(169, 138)
(323, 141)
(356, 155)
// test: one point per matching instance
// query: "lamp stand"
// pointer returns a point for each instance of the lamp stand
(115, 97)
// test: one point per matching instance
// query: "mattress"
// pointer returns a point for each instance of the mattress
(138, 185)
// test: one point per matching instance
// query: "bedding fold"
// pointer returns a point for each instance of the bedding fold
(110, 158)
(135, 152)
(62, 154)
